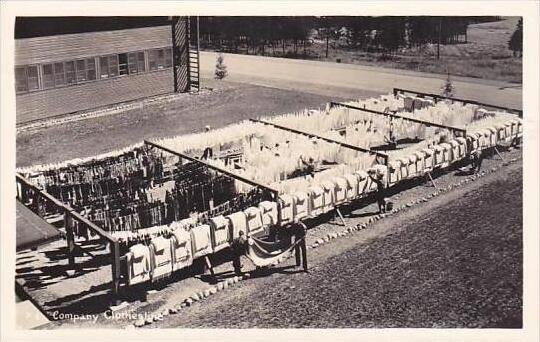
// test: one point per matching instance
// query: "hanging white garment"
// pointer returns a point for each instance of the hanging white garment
(302, 208)
(340, 190)
(316, 195)
(238, 224)
(221, 235)
(162, 258)
(269, 212)
(139, 264)
(181, 249)
(352, 186)
(254, 221)
(201, 242)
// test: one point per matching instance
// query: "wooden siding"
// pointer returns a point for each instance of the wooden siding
(72, 46)
(48, 103)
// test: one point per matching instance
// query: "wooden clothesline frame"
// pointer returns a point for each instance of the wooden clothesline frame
(464, 101)
(71, 215)
(461, 131)
(271, 190)
(332, 141)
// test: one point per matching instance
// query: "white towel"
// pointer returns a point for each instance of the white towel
(162, 250)
(286, 204)
(181, 249)
(201, 241)
(238, 224)
(141, 259)
(269, 212)
(302, 207)
(352, 186)
(316, 194)
(220, 233)
(254, 220)
(328, 195)
(340, 190)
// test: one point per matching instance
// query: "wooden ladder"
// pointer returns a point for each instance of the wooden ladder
(193, 57)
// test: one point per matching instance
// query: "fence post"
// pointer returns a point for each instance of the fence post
(115, 263)
(69, 237)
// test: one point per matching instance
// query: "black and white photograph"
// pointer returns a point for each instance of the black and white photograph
(189, 169)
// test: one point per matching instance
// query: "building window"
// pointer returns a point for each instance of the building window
(90, 69)
(108, 66)
(113, 66)
(136, 62)
(59, 77)
(69, 67)
(21, 83)
(59, 74)
(26, 78)
(47, 76)
(33, 79)
(123, 64)
(81, 70)
(104, 67)
(86, 70)
(159, 59)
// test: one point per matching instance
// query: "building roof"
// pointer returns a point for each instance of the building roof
(32, 230)
(31, 27)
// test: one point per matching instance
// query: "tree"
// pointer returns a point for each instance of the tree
(221, 68)
(516, 41)
(390, 33)
(448, 87)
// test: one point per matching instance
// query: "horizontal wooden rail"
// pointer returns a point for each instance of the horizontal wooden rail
(352, 147)
(214, 167)
(462, 131)
(66, 208)
(435, 96)
(71, 215)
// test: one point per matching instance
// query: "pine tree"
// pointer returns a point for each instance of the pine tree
(221, 68)
(516, 41)
(448, 87)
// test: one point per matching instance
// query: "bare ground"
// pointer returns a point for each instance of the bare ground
(441, 266)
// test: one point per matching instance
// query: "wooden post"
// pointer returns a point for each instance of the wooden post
(69, 237)
(115, 265)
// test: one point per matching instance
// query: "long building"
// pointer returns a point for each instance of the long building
(83, 63)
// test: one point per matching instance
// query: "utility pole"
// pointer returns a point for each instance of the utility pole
(439, 40)
(327, 35)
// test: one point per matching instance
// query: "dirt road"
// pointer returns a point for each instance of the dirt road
(438, 266)
(324, 77)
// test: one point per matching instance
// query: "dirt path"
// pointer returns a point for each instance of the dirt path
(319, 77)
(437, 265)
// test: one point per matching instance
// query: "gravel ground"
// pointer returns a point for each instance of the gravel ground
(444, 268)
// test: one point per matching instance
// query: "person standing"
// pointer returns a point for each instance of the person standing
(381, 191)
(239, 248)
(300, 250)
(476, 158)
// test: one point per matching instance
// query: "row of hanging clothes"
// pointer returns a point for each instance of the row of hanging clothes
(240, 202)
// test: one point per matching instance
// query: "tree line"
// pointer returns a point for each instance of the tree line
(291, 36)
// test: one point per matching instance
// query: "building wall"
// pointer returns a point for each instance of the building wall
(81, 45)
(45, 103)
(48, 103)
